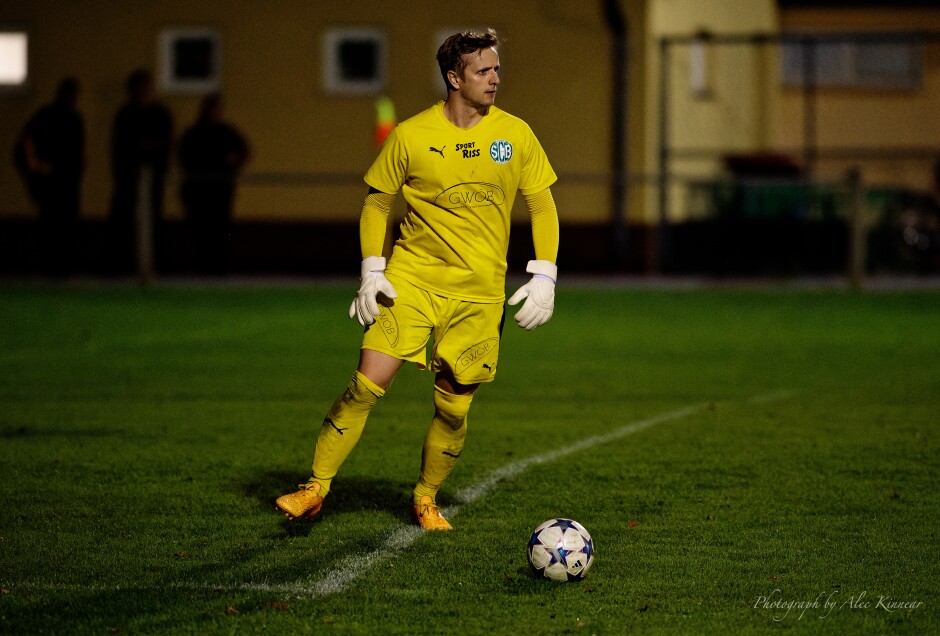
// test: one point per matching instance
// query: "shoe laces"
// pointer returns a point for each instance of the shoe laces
(430, 508)
(310, 486)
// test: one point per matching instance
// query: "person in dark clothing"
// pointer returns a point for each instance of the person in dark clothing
(50, 154)
(212, 153)
(141, 139)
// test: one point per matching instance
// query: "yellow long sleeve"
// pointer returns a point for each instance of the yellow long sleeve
(373, 221)
(544, 217)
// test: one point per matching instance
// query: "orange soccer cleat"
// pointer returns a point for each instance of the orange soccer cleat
(427, 515)
(303, 504)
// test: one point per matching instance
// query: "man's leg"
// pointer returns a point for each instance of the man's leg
(341, 430)
(346, 419)
(442, 447)
(379, 367)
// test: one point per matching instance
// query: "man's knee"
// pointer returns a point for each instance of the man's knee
(446, 382)
(451, 409)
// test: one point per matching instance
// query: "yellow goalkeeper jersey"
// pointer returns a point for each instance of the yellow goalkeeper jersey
(459, 185)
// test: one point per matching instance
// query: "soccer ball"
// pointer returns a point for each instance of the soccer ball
(561, 550)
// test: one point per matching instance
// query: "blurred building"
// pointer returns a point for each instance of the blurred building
(645, 108)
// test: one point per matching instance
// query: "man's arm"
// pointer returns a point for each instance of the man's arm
(372, 224)
(544, 217)
(539, 292)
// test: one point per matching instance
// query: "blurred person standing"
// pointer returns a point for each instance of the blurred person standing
(212, 153)
(50, 155)
(141, 138)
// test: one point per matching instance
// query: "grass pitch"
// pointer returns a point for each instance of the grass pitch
(746, 461)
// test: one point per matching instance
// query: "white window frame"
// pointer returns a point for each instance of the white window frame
(169, 37)
(333, 81)
(11, 84)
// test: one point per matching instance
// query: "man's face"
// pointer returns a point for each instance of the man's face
(480, 78)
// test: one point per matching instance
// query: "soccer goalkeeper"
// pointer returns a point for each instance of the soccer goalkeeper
(459, 165)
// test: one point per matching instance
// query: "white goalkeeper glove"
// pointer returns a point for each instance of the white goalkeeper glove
(539, 294)
(373, 283)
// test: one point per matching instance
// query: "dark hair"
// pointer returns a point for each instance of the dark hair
(208, 104)
(67, 91)
(450, 56)
(139, 80)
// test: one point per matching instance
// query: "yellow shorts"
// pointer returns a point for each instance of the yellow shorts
(466, 335)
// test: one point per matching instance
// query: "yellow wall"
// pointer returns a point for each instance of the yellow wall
(555, 76)
(869, 118)
(737, 112)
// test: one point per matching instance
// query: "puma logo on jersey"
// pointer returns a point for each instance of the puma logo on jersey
(440, 152)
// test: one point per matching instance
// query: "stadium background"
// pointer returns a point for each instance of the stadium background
(723, 440)
(682, 141)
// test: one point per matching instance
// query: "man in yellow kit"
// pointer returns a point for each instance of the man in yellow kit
(459, 165)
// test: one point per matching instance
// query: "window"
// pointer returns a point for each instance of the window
(14, 59)
(190, 60)
(853, 62)
(354, 61)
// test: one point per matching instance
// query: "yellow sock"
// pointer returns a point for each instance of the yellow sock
(342, 428)
(444, 441)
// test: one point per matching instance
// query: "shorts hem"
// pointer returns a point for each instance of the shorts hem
(421, 362)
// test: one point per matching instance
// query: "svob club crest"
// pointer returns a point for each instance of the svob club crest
(501, 151)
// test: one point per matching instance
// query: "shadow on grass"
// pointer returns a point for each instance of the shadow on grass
(351, 494)
(20, 432)
(151, 609)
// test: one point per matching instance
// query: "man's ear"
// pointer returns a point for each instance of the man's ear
(453, 79)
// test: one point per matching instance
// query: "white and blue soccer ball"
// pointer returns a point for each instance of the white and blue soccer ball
(561, 550)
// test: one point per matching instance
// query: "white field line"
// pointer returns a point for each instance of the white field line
(352, 567)
(401, 537)
(472, 493)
